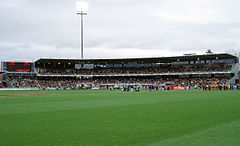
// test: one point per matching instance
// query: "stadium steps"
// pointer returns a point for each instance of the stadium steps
(38, 84)
(60, 85)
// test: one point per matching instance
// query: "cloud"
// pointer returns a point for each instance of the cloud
(112, 29)
(12, 4)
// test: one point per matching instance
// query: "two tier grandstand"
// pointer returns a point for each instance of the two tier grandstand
(160, 73)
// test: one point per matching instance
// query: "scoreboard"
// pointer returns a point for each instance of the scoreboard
(19, 66)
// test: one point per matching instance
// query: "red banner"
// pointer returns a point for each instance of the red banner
(180, 88)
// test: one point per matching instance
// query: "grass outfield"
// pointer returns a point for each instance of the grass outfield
(120, 118)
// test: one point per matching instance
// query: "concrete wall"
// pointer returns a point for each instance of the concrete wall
(235, 71)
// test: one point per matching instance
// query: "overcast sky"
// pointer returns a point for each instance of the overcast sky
(31, 29)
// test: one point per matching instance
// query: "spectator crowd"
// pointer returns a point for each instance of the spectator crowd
(203, 82)
(134, 70)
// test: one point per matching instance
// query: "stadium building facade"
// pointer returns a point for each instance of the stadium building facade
(179, 72)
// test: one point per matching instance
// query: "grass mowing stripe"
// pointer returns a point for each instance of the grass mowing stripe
(40, 104)
(72, 118)
(225, 134)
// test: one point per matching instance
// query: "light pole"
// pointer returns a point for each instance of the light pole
(82, 8)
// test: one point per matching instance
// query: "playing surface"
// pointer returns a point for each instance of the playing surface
(120, 118)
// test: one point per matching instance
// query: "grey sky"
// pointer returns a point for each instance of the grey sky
(30, 29)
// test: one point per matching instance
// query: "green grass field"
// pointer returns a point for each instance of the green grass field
(118, 118)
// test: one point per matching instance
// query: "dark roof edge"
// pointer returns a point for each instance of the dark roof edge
(172, 57)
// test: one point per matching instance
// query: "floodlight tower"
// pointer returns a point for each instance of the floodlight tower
(82, 8)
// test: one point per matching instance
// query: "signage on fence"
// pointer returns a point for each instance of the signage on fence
(180, 87)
